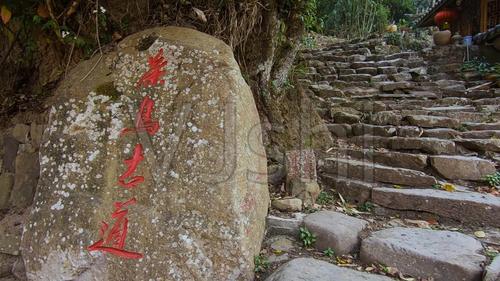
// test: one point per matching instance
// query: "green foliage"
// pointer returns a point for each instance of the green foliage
(493, 180)
(324, 198)
(399, 9)
(367, 207)
(261, 263)
(354, 18)
(308, 239)
(477, 64)
(329, 252)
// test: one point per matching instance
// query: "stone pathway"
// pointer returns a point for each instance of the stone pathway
(413, 141)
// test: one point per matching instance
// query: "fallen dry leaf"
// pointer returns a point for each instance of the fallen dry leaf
(200, 14)
(449, 187)
(5, 14)
(480, 234)
(42, 11)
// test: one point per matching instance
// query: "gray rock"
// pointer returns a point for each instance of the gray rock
(308, 269)
(282, 243)
(288, 205)
(430, 145)
(492, 145)
(353, 190)
(370, 172)
(367, 70)
(306, 190)
(345, 117)
(441, 133)
(467, 207)
(462, 167)
(6, 184)
(392, 86)
(11, 145)
(493, 270)
(276, 174)
(442, 255)
(409, 131)
(379, 78)
(403, 76)
(10, 238)
(340, 130)
(367, 129)
(26, 179)
(335, 230)
(427, 121)
(284, 226)
(387, 70)
(6, 264)
(386, 118)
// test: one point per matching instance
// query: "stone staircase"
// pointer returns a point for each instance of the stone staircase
(400, 133)
(417, 142)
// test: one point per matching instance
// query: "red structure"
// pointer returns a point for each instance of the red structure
(445, 15)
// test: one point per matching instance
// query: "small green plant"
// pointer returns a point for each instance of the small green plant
(308, 239)
(366, 207)
(493, 180)
(437, 186)
(261, 263)
(329, 252)
(324, 198)
(491, 254)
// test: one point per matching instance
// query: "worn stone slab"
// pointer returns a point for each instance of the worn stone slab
(336, 231)
(457, 167)
(492, 272)
(441, 133)
(200, 212)
(370, 172)
(10, 239)
(430, 145)
(352, 190)
(467, 207)
(25, 179)
(284, 226)
(6, 184)
(425, 253)
(309, 269)
(486, 134)
(481, 145)
(427, 121)
(482, 126)
(389, 158)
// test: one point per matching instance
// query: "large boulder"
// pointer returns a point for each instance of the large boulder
(192, 167)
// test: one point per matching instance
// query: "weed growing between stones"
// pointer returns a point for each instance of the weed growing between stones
(325, 198)
(329, 252)
(261, 263)
(493, 180)
(308, 238)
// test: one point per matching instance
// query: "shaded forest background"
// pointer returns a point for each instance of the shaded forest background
(40, 40)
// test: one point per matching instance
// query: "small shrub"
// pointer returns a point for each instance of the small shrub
(261, 263)
(308, 239)
(329, 252)
(324, 198)
(493, 180)
(367, 207)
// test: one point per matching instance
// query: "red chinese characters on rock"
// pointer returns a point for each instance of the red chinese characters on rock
(113, 239)
(144, 120)
(132, 164)
(152, 76)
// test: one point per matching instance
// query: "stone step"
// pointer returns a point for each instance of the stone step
(455, 167)
(309, 269)
(427, 145)
(466, 207)
(427, 121)
(371, 172)
(388, 158)
(481, 126)
(426, 253)
(480, 145)
(336, 231)
(353, 190)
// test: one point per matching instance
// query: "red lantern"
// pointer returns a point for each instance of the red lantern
(445, 15)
